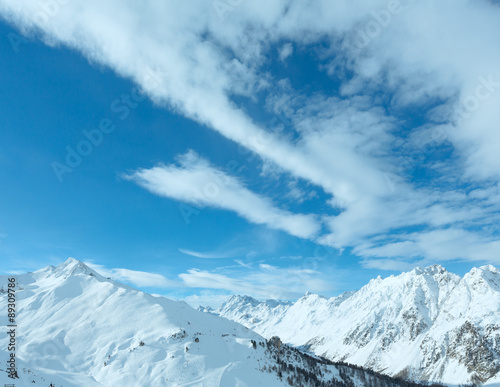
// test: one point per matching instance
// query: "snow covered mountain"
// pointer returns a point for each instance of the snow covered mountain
(77, 328)
(426, 325)
(252, 313)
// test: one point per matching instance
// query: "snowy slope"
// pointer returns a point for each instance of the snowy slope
(76, 328)
(427, 325)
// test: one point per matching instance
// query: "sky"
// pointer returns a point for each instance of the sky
(207, 148)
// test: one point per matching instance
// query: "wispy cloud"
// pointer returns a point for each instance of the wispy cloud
(285, 51)
(438, 245)
(134, 277)
(212, 255)
(196, 181)
(243, 264)
(264, 281)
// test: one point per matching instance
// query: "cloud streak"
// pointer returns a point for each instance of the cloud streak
(213, 255)
(134, 277)
(266, 281)
(195, 181)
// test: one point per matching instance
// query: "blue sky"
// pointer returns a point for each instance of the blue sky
(246, 147)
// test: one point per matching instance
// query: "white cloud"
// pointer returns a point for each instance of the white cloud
(420, 53)
(211, 255)
(458, 42)
(196, 182)
(243, 264)
(263, 282)
(286, 51)
(135, 277)
(203, 279)
(445, 244)
(198, 76)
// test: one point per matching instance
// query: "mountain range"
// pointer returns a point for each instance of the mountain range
(426, 325)
(75, 327)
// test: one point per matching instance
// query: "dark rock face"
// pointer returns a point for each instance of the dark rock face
(478, 349)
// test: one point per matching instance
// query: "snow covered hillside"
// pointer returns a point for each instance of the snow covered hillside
(426, 325)
(77, 328)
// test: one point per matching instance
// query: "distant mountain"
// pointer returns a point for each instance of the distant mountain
(77, 328)
(425, 325)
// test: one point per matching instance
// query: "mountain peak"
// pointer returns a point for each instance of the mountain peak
(488, 274)
(311, 294)
(73, 266)
(311, 297)
(430, 270)
(71, 261)
(489, 268)
(238, 299)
